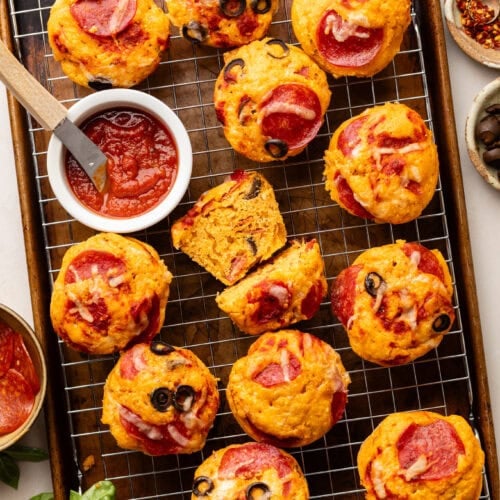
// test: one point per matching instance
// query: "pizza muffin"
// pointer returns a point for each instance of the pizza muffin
(111, 292)
(383, 164)
(395, 302)
(289, 390)
(107, 43)
(287, 289)
(249, 470)
(351, 38)
(232, 227)
(160, 400)
(222, 24)
(421, 455)
(271, 99)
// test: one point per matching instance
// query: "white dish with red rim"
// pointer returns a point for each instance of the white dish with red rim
(33, 348)
(475, 50)
(108, 100)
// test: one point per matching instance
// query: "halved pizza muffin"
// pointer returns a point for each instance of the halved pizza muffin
(108, 43)
(351, 37)
(271, 99)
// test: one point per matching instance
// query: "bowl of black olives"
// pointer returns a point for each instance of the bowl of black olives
(482, 133)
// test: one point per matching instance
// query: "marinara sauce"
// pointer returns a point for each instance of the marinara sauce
(142, 163)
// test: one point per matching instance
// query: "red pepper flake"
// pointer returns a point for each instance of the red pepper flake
(475, 19)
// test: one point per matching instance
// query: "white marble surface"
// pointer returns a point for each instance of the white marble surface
(483, 208)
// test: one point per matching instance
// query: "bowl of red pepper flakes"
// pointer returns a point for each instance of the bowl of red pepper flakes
(475, 29)
(23, 377)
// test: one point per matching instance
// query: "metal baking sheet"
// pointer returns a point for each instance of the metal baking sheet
(443, 381)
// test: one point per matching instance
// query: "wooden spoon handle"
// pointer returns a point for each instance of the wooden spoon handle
(41, 104)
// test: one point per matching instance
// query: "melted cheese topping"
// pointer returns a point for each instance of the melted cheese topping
(380, 295)
(177, 436)
(285, 364)
(341, 30)
(379, 152)
(377, 477)
(289, 108)
(150, 431)
(417, 468)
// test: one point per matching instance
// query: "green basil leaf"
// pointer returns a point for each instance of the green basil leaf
(26, 453)
(9, 471)
(102, 490)
(43, 496)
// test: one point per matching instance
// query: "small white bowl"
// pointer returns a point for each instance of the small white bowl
(488, 57)
(12, 319)
(106, 100)
(488, 95)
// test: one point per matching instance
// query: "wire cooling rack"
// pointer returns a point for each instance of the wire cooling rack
(439, 381)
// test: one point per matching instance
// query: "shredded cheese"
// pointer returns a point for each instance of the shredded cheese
(341, 30)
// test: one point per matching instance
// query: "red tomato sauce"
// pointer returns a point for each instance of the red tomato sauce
(142, 163)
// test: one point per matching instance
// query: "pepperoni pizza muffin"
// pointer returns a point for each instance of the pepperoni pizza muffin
(232, 227)
(353, 37)
(107, 43)
(111, 292)
(383, 164)
(271, 99)
(250, 470)
(287, 289)
(395, 302)
(421, 455)
(289, 390)
(160, 400)
(222, 24)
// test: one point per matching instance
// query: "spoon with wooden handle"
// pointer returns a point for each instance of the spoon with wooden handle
(52, 116)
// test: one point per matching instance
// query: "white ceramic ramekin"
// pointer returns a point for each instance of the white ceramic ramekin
(106, 100)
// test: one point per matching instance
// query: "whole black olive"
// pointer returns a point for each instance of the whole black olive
(202, 486)
(230, 65)
(276, 148)
(254, 189)
(100, 84)
(195, 32)
(441, 323)
(373, 282)
(492, 157)
(258, 491)
(161, 348)
(184, 398)
(282, 44)
(493, 109)
(260, 6)
(161, 399)
(488, 129)
(232, 8)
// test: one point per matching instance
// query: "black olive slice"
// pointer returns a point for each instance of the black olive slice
(231, 64)
(276, 148)
(254, 188)
(261, 6)
(100, 84)
(278, 55)
(195, 32)
(441, 323)
(258, 491)
(373, 282)
(202, 486)
(161, 399)
(161, 348)
(184, 398)
(252, 245)
(232, 8)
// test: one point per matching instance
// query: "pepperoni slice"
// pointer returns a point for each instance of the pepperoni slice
(23, 363)
(250, 459)
(103, 17)
(92, 263)
(350, 137)
(132, 362)
(339, 401)
(16, 401)
(7, 335)
(273, 298)
(346, 197)
(274, 373)
(427, 261)
(312, 300)
(437, 447)
(343, 293)
(292, 114)
(345, 44)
